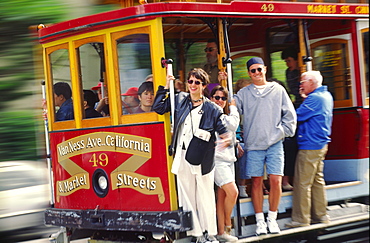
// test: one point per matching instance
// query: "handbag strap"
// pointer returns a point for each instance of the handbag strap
(191, 119)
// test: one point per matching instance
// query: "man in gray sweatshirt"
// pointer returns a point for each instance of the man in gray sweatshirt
(268, 117)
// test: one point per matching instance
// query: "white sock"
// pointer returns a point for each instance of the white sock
(260, 216)
(272, 214)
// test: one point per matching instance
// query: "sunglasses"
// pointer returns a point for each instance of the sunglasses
(256, 69)
(196, 82)
(219, 97)
(209, 49)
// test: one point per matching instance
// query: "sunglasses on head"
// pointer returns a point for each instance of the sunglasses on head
(219, 97)
(196, 82)
(209, 49)
(256, 69)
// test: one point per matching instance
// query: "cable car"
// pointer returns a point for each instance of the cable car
(111, 176)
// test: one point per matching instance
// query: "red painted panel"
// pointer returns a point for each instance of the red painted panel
(133, 157)
(350, 134)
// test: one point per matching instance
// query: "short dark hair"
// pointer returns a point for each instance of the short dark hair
(63, 88)
(219, 88)
(289, 52)
(199, 73)
(226, 94)
(146, 86)
(90, 97)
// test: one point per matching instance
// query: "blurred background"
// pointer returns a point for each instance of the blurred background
(24, 189)
(21, 126)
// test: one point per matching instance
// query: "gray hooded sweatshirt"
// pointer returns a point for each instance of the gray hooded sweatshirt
(268, 117)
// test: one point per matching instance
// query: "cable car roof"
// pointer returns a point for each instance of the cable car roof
(235, 9)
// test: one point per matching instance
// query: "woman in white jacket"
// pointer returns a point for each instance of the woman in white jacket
(227, 192)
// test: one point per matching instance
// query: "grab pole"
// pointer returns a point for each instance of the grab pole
(229, 78)
(47, 144)
(172, 93)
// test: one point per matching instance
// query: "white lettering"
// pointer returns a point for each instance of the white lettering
(120, 181)
(128, 180)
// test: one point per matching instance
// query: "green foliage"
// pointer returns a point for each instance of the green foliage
(17, 136)
(17, 129)
(16, 61)
(240, 69)
(278, 67)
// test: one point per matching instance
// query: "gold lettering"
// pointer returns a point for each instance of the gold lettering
(322, 9)
(268, 8)
(345, 10)
(362, 10)
(72, 184)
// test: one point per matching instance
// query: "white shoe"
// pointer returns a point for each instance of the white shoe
(261, 228)
(226, 238)
(273, 226)
(242, 191)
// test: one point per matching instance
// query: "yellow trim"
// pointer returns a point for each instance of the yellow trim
(101, 32)
(105, 121)
(47, 84)
(111, 66)
(302, 47)
(112, 82)
(76, 85)
(114, 37)
(157, 51)
(49, 90)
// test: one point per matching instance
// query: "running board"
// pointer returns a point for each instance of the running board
(339, 215)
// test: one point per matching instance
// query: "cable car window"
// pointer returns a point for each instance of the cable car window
(61, 81)
(135, 72)
(95, 102)
(331, 59)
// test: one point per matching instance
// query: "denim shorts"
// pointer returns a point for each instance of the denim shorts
(273, 156)
(241, 165)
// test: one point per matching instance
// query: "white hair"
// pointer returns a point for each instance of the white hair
(315, 76)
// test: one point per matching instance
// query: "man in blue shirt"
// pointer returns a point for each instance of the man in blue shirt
(62, 98)
(314, 117)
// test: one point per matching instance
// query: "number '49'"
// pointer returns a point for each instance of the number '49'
(268, 7)
(101, 159)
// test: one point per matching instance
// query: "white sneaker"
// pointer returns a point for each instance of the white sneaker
(242, 191)
(226, 238)
(273, 226)
(261, 228)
